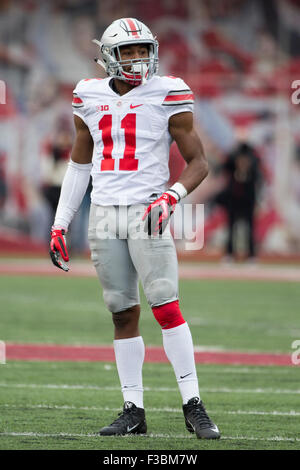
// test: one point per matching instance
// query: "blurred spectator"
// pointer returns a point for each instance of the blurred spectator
(239, 196)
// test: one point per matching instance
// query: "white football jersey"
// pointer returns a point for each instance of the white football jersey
(131, 137)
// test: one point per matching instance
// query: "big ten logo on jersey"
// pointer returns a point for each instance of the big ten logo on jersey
(102, 107)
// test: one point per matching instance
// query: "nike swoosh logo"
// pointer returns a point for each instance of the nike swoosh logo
(191, 424)
(213, 428)
(135, 106)
(132, 428)
(183, 376)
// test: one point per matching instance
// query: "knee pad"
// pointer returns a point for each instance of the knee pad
(161, 291)
(168, 315)
(116, 302)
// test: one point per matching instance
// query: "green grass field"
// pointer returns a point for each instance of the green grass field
(47, 405)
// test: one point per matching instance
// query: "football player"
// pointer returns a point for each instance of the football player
(125, 124)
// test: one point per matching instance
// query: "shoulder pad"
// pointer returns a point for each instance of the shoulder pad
(85, 84)
(82, 88)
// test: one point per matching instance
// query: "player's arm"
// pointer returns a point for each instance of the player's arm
(82, 150)
(73, 189)
(181, 129)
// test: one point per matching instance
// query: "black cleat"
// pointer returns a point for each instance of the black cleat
(131, 421)
(198, 421)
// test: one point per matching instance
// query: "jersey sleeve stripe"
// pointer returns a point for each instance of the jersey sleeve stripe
(177, 103)
(183, 98)
(179, 92)
(77, 102)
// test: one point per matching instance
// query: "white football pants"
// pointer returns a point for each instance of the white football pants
(123, 253)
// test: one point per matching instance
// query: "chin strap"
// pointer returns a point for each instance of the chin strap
(138, 75)
(99, 62)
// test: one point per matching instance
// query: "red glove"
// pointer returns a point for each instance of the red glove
(158, 213)
(58, 250)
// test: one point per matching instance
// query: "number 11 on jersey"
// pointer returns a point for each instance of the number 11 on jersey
(128, 162)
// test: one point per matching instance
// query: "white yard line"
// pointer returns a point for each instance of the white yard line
(208, 368)
(292, 413)
(157, 436)
(151, 389)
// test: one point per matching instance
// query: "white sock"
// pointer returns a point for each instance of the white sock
(130, 353)
(178, 346)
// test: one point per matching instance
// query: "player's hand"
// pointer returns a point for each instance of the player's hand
(58, 249)
(158, 213)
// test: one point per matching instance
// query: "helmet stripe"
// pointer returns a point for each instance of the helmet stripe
(132, 27)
